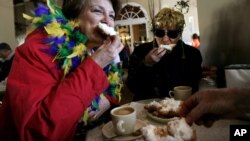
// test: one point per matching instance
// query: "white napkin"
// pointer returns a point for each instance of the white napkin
(140, 112)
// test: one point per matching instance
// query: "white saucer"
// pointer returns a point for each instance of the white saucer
(159, 119)
(108, 131)
(2, 88)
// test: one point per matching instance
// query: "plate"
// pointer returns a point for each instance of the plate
(159, 119)
(108, 131)
(2, 88)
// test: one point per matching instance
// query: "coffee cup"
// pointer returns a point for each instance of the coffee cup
(123, 119)
(180, 92)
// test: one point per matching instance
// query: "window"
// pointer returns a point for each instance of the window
(131, 23)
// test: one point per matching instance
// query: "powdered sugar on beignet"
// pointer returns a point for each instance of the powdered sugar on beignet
(152, 133)
(168, 47)
(168, 107)
(107, 30)
(170, 104)
(175, 130)
(153, 106)
(180, 129)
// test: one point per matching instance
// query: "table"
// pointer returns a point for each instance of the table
(2, 87)
(218, 132)
(2, 90)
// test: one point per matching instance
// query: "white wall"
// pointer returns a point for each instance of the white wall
(225, 31)
(7, 27)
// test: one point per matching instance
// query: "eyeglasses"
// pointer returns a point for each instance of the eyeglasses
(170, 33)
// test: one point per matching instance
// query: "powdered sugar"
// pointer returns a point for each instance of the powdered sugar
(175, 130)
(168, 47)
(106, 29)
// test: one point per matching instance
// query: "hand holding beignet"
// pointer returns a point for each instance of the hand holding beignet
(106, 30)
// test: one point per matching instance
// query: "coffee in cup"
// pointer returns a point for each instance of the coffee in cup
(180, 92)
(123, 119)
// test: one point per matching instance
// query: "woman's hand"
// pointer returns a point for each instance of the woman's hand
(207, 106)
(154, 56)
(107, 52)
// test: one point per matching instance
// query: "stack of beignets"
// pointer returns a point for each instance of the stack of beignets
(175, 130)
(165, 108)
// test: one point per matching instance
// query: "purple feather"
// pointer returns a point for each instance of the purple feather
(54, 49)
(71, 44)
(42, 10)
(106, 69)
(49, 40)
(75, 62)
(55, 40)
(61, 20)
(60, 40)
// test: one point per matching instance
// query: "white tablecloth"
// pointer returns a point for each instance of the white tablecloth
(2, 91)
(2, 86)
(218, 132)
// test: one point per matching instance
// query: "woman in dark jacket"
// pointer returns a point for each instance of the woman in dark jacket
(158, 66)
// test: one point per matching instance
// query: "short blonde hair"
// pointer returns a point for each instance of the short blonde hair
(168, 18)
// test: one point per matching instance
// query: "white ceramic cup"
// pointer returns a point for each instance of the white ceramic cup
(180, 92)
(123, 119)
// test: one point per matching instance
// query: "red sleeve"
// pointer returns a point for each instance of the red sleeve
(43, 105)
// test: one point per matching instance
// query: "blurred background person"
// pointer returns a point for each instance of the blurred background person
(196, 40)
(6, 56)
(154, 70)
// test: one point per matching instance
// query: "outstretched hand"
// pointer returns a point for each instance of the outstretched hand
(207, 106)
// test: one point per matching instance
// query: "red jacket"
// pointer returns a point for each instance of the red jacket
(38, 104)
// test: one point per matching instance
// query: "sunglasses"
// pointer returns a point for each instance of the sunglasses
(170, 33)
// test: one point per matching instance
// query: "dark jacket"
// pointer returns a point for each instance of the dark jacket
(181, 66)
(5, 68)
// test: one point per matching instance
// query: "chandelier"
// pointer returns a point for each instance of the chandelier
(182, 6)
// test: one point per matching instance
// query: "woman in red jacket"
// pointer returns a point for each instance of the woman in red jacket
(63, 73)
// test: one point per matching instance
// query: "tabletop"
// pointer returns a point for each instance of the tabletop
(2, 87)
(220, 131)
(2, 90)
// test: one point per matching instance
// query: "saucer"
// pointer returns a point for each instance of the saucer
(159, 119)
(108, 131)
